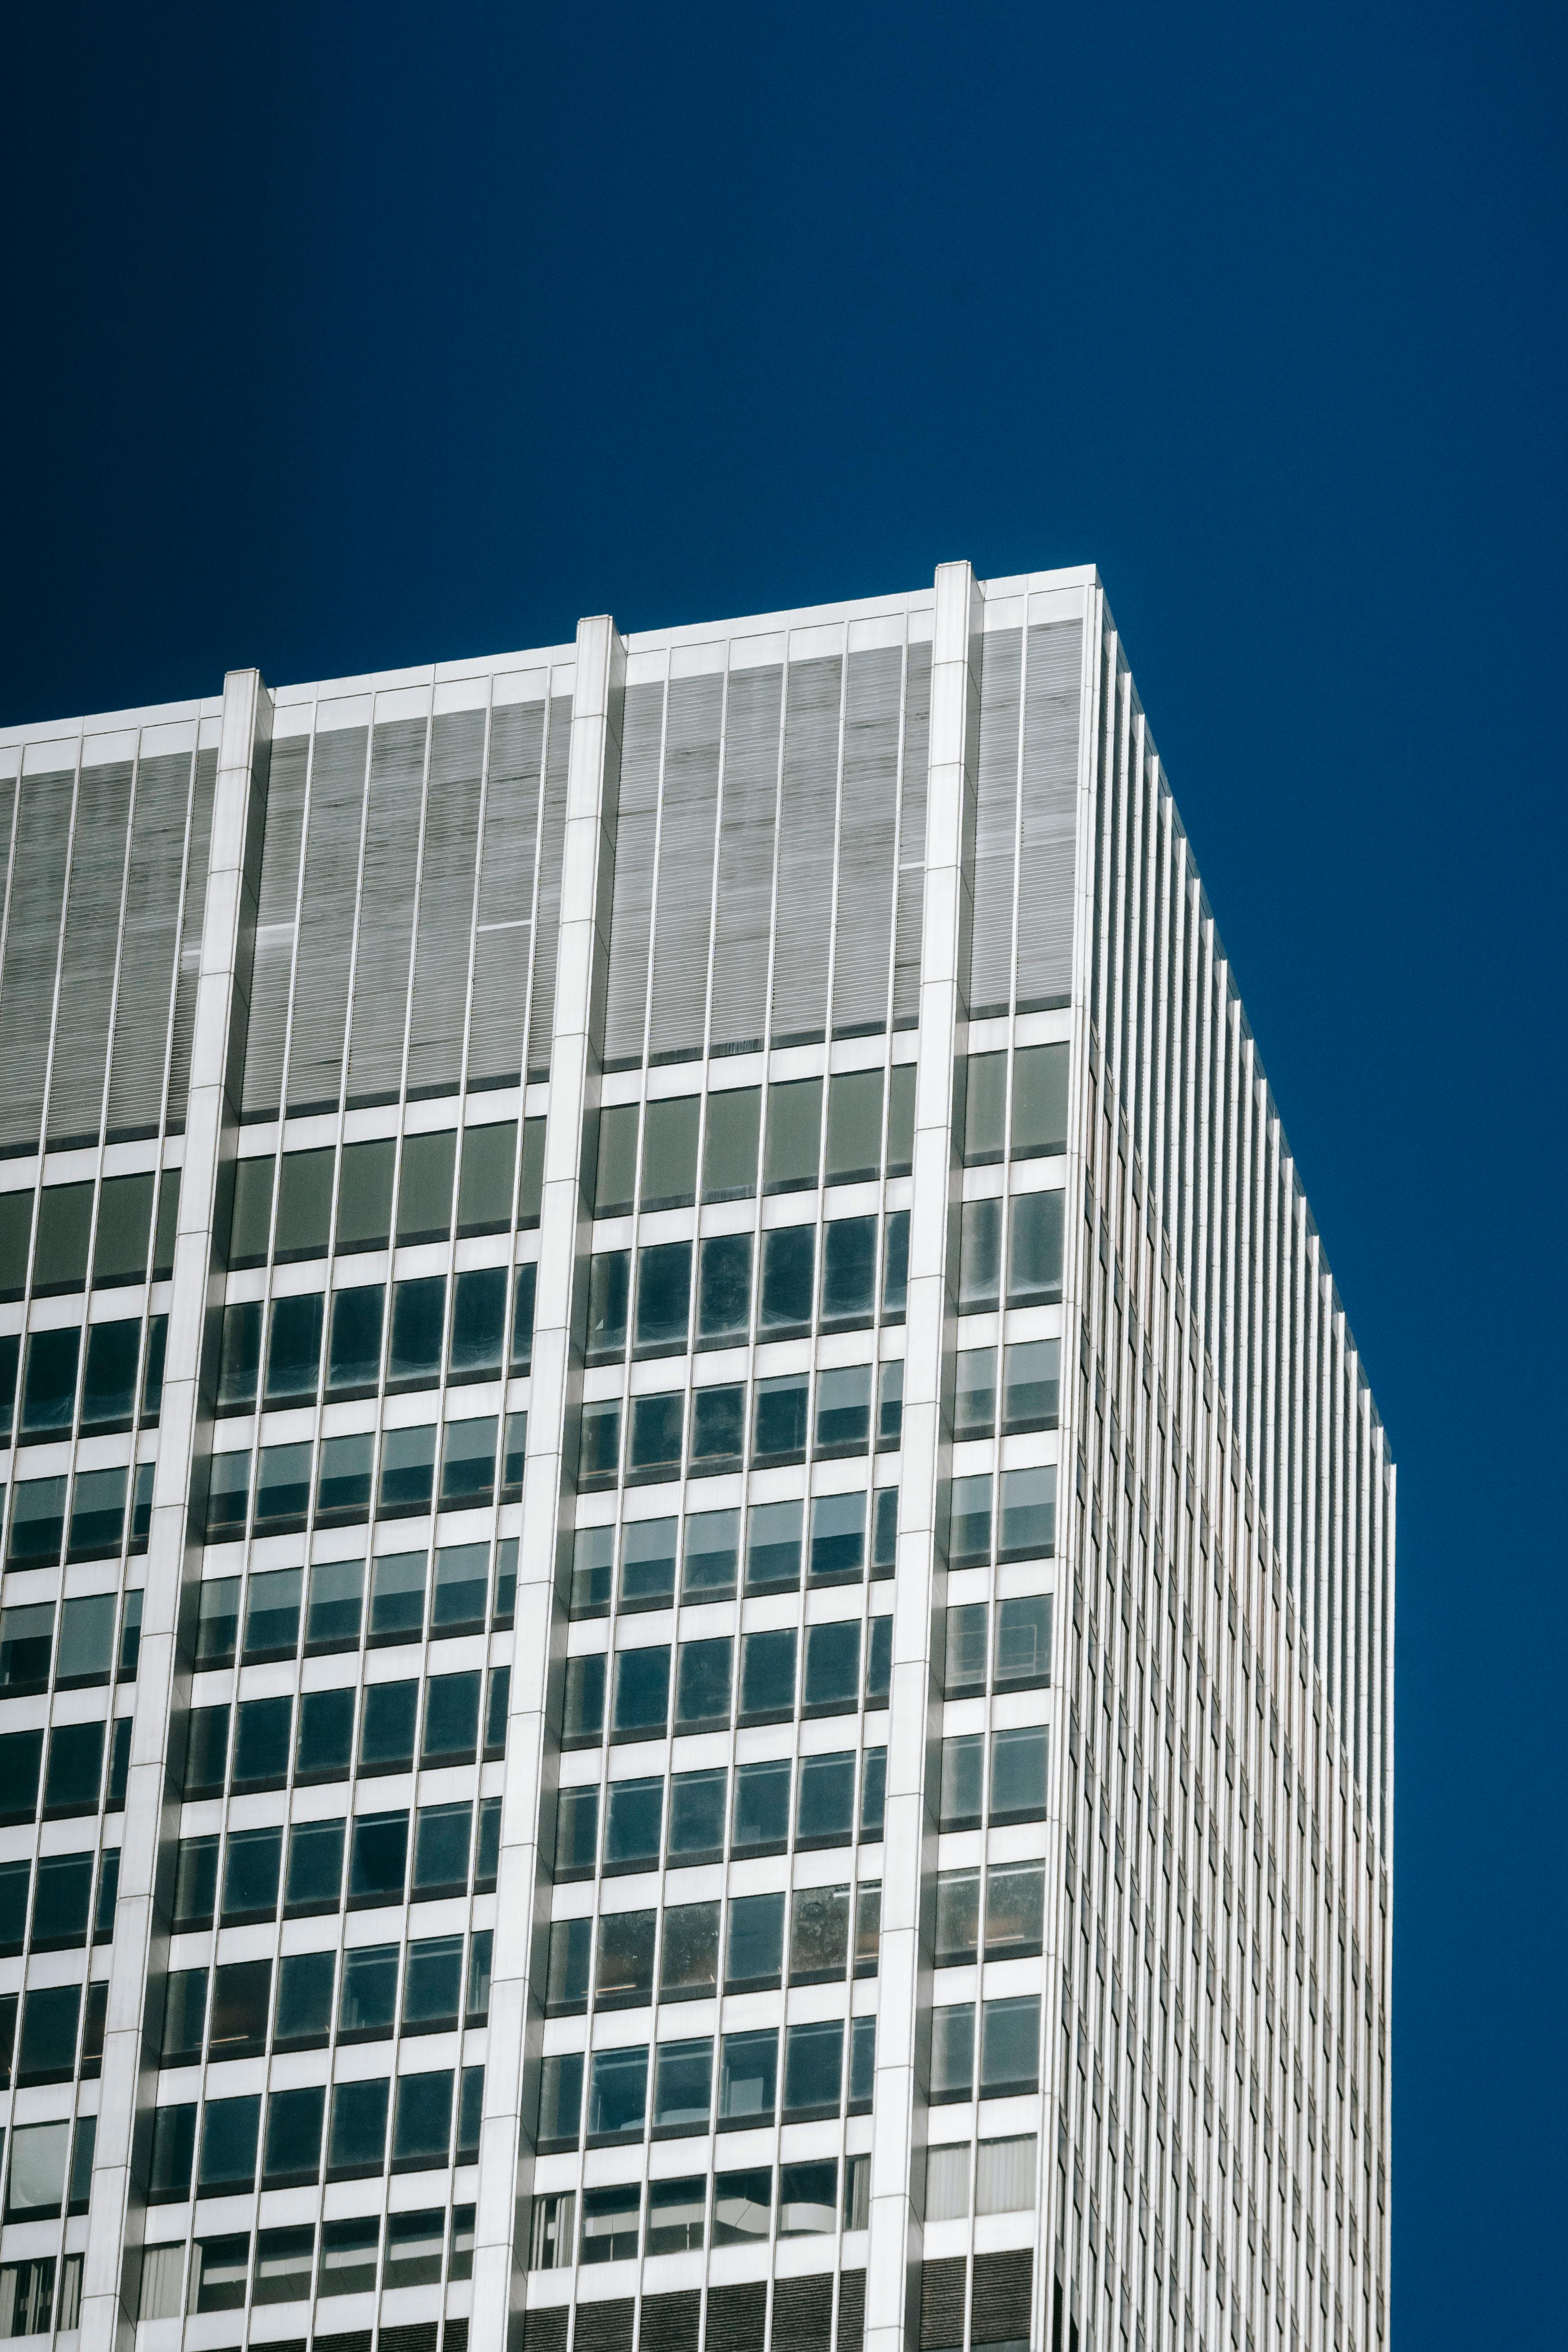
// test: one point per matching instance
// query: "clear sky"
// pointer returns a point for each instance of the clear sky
(339, 338)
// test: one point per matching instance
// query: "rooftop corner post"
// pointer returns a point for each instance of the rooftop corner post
(892, 2310)
(521, 1903)
(162, 1687)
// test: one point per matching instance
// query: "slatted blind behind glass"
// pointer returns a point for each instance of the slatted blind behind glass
(86, 961)
(32, 950)
(446, 902)
(808, 800)
(188, 975)
(631, 904)
(547, 922)
(913, 839)
(995, 824)
(863, 932)
(275, 927)
(386, 911)
(686, 847)
(743, 914)
(150, 942)
(505, 915)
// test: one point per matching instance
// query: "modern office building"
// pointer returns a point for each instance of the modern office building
(696, 1649)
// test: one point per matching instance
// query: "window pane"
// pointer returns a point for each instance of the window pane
(844, 1409)
(873, 1792)
(748, 2081)
(343, 1479)
(27, 1644)
(124, 1224)
(848, 1272)
(838, 1535)
(724, 1290)
(462, 1588)
(65, 1228)
(767, 1676)
(623, 1972)
(468, 1463)
(583, 1715)
(336, 1604)
(1034, 1250)
(689, 1969)
(947, 2183)
(753, 1953)
(252, 1862)
(48, 1389)
(599, 1443)
(304, 1205)
(1029, 1513)
(778, 1434)
(854, 1125)
(242, 2001)
(593, 1570)
(184, 2013)
(894, 1265)
(250, 1221)
(397, 1583)
(282, 1487)
(826, 1809)
(451, 1719)
(819, 1934)
(609, 1293)
(833, 1666)
(634, 1824)
(1039, 1100)
(761, 1804)
(618, 2094)
(669, 1152)
(378, 1861)
(730, 1148)
(485, 1187)
(773, 1551)
(443, 1835)
(952, 2051)
(808, 2199)
(576, 1832)
(272, 1614)
(354, 1355)
(677, 2210)
(86, 1629)
(1024, 1640)
(901, 1119)
(711, 1555)
(418, 1315)
(561, 2097)
(229, 2132)
(789, 1264)
(642, 1691)
(109, 1384)
(315, 1881)
(664, 1298)
(356, 2144)
(1005, 2174)
(984, 1108)
(610, 2219)
(386, 1726)
(478, 1323)
(367, 2004)
(569, 1966)
(416, 2241)
(957, 1917)
(425, 1187)
(704, 1673)
(422, 2119)
(969, 1525)
(697, 1814)
(294, 1349)
(743, 2205)
(794, 1135)
(523, 1303)
(718, 1429)
(657, 1423)
(979, 1257)
(962, 1768)
(615, 1185)
(1018, 1773)
(890, 1403)
(364, 1195)
(975, 1392)
(1015, 1912)
(228, 1496)
(648, 1563)
(965, 1663)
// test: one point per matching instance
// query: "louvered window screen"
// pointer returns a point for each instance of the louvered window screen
(149, 945)
(863, 932)
(684, 904)
(505, 912)
(737, 2316)
(188, 972)
(545, 2331)
(671, 2322)
(386, 911)
(605, 2327)
(744, 912)
(807, 812)
(333, 817)
(913, 839)
(547, 925)
(995, 824)
(631, 914)
(32, 952)
(851, 2311)
(445, 903)
(275, 927)
(803, 2314)
(1004, 2289)
(87, 957)
(942, 2304)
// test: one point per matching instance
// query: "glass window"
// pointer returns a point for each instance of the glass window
(479, 1324)
(615, 1176)
(250, 1219)
(1005, 2174)
(514, 1452)
(730, 1147)
(367, 2004)
(353, 1352)
(242, 2003)
(425, 1187)
(839, 1535)
(844, 1409)
(634, 1824)
(975, 1392)
(168, 2169)
(343, 1479)
(48, 1390)
(560, 2099)
(966, 1661)
(984, 1108)
(848, 1273)
(704, 1676)
(609, 1297)
(901, 1119)
(1015, 1912)
(884, 1530)
(468, 1463)
(611, 2217)
(196, 1882)
(664, 1298)
(315, 1880)
(442, 1836)
(789, 1267)
(462, 1588)
(108, 1383)
(418, 1318)
(522, 1302)
(755, 1950)
(819, 1935)
(422, 2120)
(284, 2257)
(794, 1136)
(617, 2095)
(364, 1195)
(1018, 1773)
(957, 1917)
(272, 1614)
(656, 1435)
(773, 1550)
(1010, 2047)
(415, 2242)
(378, 1859)
(718, 1429)
(677, 2210)
(593, 1570)
(873, 1792)
(854, 1125)
(397, 1583)
(386, 1726)
(294, 1349)
(349, 2248)
(27, 1644)
(477, 2001)
(891, 1404)
(75, 1774)
(623, 1974)
(825, 1811)
(767, 1676)
(65, 1229)
(599, 1444)
(576, 1832)
(35, 2189)
(952, 2052)
(61, 1904)
(748, 2078)
(152, 1378)
(336, 1604)
(485, 1187)
(1039, 1100)
(947, 2183)
(669, 1152)
(1031, 1384)
(808, 2198)
(1029, 1513)
(879, 1661)
(867, 1927)
(963, 1771)
(1034, 1250)
(761, 1805)
(220, 2274)
(583, 1715)
(124, 1226)
(184, 2013)
(743, 2205)
(697, 1815)
(642, 1691)
(894, 1265)
(778, 1434)
(1024, 1640)
(647, 1564)
(263, 1735)
(712, 1556)
(980, 1259)
(724, 1290)
(689, 1966)
(814, 2074)
(16, 1235)
(969, 1525)
(570, 1959)
(292, 2155)
(252, 1862)
(833, 1666)
(451, 1719)
(304, 1205)
(282, 1487)
(229, 2131)
(228, 1494)
(531, 1185)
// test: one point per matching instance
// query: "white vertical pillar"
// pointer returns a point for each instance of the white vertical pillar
(152, 1797)
(915, 1712)
(582, 962)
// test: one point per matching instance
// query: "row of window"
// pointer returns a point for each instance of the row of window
(110, 1512)
(406, 1599)
(417, 1338)
(376, 1849)
(27, 2301)
(73, 1780)
(287, 1488)
(61, 1904)
(353, 2132)
(122, 1244)
(618, 1954)
(1004, 2035)
(777, 1545)
(824, 1812)
(61, 2024)
(655, 1312)
(110, 1364)
(643, 1443)
(1019, 1760)
(86, 1652)
(279, 2266)
(1018, 1650)
(309, 1201)
(684, 2078)
(254, 1745)
(1013, 1913)
(707, 1692)
(228, 2011)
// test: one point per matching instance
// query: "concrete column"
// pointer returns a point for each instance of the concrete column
(914, 1731)
(523, 1902)
(138, 1954)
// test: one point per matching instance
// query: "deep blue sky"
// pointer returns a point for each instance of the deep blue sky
(345, 338)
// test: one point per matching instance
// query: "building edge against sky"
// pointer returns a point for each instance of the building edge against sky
(903, 869)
